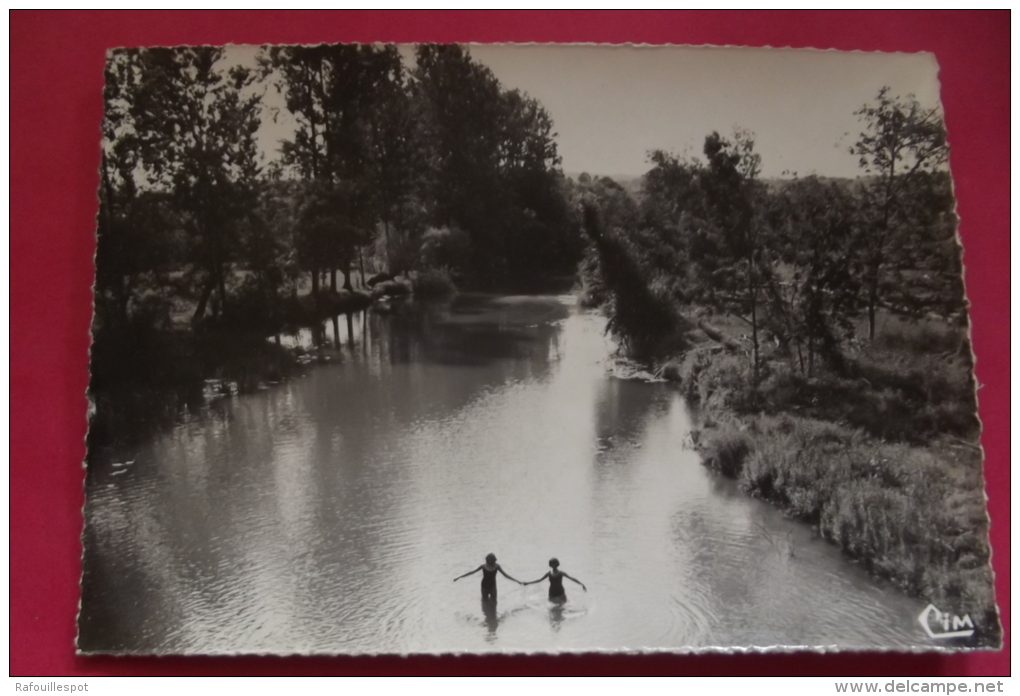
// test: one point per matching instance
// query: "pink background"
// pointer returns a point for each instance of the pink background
(56, 106)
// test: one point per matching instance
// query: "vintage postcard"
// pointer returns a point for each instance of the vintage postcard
(529, 348)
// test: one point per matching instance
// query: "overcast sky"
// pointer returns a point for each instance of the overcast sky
(611, 105)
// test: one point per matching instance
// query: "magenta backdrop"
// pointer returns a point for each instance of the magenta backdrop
(56, 105)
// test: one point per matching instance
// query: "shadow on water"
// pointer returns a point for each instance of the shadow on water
(493, 619)
(557, 609)
(470, 330)
(489, 611)
(466, 330)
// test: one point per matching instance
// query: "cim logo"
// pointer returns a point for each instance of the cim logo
(941, 625)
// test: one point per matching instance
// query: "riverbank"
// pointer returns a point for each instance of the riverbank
(885, 463)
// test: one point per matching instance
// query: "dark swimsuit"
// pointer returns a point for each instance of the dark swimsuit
(556, 590)
(488, 583)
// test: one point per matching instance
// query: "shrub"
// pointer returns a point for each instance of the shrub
(433, 282)
(726, 449)
(716, 380)
(391, 288)
(446, 247)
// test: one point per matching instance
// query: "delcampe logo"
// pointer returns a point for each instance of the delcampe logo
(939, 625)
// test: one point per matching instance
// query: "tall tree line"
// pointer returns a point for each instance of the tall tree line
(408, 166)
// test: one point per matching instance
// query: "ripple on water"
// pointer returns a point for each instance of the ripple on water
(332, 512)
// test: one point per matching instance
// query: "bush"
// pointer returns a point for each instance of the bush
(446, 247)
(391, 288)
(715, 380)
(726, 449)
(433, 282)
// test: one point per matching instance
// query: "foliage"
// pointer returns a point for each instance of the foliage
(799, 260)
(726, 449)
(433, 282)
(335, 93)
(902, 147)
(642, 318)
(616, 213)
(196, 128)
(439, 174)
(737, 204)
(815, 295)
(492, 169)
(702, 234)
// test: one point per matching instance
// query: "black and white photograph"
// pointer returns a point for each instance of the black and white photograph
(529, 348)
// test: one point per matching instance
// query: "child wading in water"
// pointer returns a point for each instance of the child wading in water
(556, 591)
(489, 569)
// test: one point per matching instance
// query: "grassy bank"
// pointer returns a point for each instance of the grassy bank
(883, 461)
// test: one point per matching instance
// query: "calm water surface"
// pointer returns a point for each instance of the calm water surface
(330, 513)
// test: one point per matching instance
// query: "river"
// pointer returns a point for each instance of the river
(330, 514)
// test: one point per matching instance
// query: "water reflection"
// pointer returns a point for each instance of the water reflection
(556, 614)
(489, 611)
(468, 330)
(320, 515)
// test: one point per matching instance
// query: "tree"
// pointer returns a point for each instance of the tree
(334, 93)
(134, 226)
(926, 273)
(493, 168)
(396, 163)
(681, 241)
(269, 256)
(646, 323)
(814, 302)
(736, 207)
(196, 132)
(536, 241)
(297, 73)
(459, 106)
(605, 211)
(901, 143)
